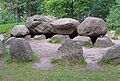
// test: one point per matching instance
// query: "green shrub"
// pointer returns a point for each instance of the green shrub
(113, 19)
(55, 40)
(118, 31)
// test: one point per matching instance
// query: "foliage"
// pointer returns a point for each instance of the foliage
(118, 31)
(55, 40)
(78, 9)
(113, 20)
(17, 10)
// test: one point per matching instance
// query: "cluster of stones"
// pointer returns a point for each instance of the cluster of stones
(90, 32)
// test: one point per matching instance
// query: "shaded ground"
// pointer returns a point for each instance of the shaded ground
(46, 51)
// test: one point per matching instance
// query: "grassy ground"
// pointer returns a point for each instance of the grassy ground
(6, 28)
(25, 72)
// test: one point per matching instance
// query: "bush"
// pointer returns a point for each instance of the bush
(113, 19)
(118, 31)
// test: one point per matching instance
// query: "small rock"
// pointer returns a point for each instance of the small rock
(61, 37)
(103, 42)
(85, 41)
(112, 34)
(40, 37)
(20, 30)
(1, 37)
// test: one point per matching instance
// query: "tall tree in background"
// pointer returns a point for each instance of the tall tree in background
(80, 8)
(113, 18)
(20, 8)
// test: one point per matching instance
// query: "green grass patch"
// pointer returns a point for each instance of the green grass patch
(55, 40)
(25, 72)
(63, 62)
(90, 46)
(6, 28)
(7, 58)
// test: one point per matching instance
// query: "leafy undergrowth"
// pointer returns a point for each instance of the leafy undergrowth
(6, 28)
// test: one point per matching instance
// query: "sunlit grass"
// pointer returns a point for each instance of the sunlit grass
(23, 71)
(6, 28)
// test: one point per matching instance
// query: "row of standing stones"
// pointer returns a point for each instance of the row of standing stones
(90, 32)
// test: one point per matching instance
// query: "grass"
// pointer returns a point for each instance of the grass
(7, 58)
(23, 71)
(55, 40)
(6, 28)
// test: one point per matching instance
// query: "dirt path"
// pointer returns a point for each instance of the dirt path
(45, 51)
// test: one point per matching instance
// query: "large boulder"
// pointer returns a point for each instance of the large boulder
(20, 50)
(20, 30)
(1, 48)
(85, 41)
(103, 42)
(112, 55)
(64, 26)
(92, 26)
(70, 51)
(39, 24)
